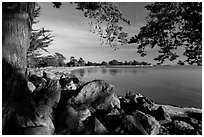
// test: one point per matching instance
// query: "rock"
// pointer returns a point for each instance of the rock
(91, 92)
(42, 130)
(182, 111)
(196, 124)
(127, 106)
(132, 127)
(134, 102)
(99, 112)
(144, 104)
(131, 95)
(45, 100)
(107, 102)
(70, 86)
(47, 97)
(69, 83)
(111, 122)
(114, 112)
(29, 124)
(149, 123)
(183, 128)
(31, 86)
(161, 116)
(70, 120)
(163, 131)
(196, 115)
(98, 127)
(93, 126)
(118, 131)
(83, 114)
(37, 81)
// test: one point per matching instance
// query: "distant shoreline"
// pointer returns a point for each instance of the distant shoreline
(69, 70)
(127, 66)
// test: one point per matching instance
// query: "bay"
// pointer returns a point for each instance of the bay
(178, 85)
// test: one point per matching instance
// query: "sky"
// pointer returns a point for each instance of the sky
(73, 36)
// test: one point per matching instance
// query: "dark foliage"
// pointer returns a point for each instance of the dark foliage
(169, 26)
(101, 13)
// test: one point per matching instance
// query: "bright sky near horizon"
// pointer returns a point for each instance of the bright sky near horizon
(73, 36)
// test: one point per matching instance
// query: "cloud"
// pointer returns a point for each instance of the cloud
(69, 35)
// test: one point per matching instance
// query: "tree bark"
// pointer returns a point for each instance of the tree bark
(16, 28)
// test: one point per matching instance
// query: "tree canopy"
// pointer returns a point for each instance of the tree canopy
(169, 26)
(105, 19)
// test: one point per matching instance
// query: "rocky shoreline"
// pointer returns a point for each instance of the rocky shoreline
(70, 106)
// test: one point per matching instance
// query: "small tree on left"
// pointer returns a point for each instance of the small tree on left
(40, 39)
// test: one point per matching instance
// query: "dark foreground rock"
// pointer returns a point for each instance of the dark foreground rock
(69, 106)
(40, 120)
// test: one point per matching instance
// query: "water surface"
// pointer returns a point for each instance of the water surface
(179, 85)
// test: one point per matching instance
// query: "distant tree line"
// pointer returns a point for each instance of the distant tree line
(58, 60)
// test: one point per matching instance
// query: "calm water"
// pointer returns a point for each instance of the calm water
(179, 85)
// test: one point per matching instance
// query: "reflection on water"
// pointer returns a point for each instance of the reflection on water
(179, 85)
(114, 71)
(81, 72)
(104, 71)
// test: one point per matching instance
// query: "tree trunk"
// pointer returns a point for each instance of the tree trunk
(16, 28)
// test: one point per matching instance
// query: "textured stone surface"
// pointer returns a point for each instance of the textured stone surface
(107, 102)
(149, 123)
(98, 127)
(183, 128)
(92, 91)
(132, 127)
(47, 98)
(69, 83)
(36, 80)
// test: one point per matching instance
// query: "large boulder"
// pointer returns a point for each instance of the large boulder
(71, 121)
(47, 97)
(91, 92)
(107, 102)
(149, 123)
(132, 127)
(182, 128)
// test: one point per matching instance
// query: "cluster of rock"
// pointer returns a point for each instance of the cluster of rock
(70, 106)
